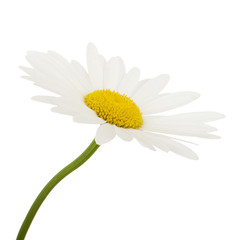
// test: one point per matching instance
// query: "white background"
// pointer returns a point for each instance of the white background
(124, 191)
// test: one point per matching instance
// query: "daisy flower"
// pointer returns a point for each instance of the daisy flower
(118, 101)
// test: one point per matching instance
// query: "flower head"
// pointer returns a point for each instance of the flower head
(118, 101)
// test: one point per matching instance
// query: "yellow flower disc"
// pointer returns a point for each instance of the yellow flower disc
(115, 108)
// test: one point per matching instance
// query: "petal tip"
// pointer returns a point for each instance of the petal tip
(37, 98)
(195, 157)
(91, 46)
(221, 116)
(196, 95)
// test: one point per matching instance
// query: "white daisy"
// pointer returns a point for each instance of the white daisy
(118, 101)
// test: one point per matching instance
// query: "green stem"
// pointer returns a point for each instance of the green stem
(51, 184)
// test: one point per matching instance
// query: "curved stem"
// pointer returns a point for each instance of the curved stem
(51, 184)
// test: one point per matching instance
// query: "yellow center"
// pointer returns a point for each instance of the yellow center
(115, 108)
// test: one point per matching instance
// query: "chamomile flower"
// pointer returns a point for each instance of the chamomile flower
(116, 100)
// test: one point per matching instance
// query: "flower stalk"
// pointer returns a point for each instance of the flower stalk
(51, 184)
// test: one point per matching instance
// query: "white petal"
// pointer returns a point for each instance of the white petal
(123, 134)
(154, 141)
(27, 70)
(46, 65)
(185, 128)
(129, 82)
(171, 144)
(47, 99)
(83, 117)
(52, 75)
(181, 149)
(113, 73)
(102, 61)
(82, 75)
(194, 116)
(95, 69)
(186, 117)
(168, 101)
(209, 136)
(68, 71)
(139, 85)
(162, 142)
(139, 136)
(87, 118)
(47, 83)
(69, 107)
(75, 103)
(149, 88)
(105, 133)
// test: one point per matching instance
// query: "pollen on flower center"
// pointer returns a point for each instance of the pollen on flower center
(115, 108)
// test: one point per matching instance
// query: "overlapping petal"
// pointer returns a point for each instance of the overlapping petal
(95, 67)
(105, 133)
(149, 89)
(169, 101)
(129, 82)
(113, 73)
